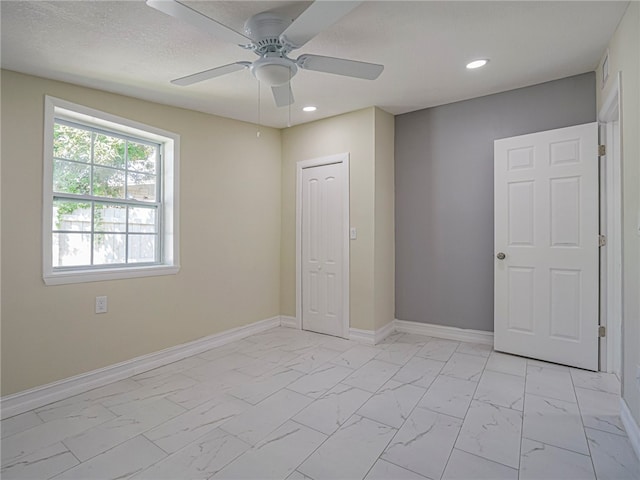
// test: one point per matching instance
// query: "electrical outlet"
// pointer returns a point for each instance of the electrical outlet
(101, 304)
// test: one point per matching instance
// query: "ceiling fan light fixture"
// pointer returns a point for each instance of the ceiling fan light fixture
(477, 63)
(309, 108)
(273, 71)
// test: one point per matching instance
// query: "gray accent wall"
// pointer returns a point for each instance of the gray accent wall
(444, 195)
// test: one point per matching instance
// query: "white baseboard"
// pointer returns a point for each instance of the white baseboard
(290, 322)
(371, 337)
(26, 400)
(631, 426)
(385, 331)
(441, 331)
(362, 336)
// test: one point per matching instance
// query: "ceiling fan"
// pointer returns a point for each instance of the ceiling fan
(272, 37)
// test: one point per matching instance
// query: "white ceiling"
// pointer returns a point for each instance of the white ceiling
(128, 48)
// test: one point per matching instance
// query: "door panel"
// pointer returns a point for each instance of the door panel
(322, 245)
(546, 224)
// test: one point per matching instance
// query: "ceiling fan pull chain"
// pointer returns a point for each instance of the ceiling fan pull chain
(259, 119)
(290, 100)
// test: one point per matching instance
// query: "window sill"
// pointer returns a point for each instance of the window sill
(82, 276)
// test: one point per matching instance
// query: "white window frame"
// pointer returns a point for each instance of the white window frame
(169, 176)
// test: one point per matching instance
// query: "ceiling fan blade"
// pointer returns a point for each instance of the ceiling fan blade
(340, 66)
(283, 95)
(211, 73)
(319, 16)
(197, 19)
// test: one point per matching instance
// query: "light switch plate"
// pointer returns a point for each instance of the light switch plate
(353, 233)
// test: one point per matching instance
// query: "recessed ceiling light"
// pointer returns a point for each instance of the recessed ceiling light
(310, 108)
(477, 64)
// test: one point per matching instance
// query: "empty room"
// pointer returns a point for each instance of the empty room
(320, 240)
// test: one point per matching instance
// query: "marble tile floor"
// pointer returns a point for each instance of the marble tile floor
(288, 404)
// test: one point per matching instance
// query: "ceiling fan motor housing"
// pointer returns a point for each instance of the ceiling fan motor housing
(265, 29)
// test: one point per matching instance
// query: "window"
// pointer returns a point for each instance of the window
(110, 199)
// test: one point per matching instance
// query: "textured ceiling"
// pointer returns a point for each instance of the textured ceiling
(128, 48)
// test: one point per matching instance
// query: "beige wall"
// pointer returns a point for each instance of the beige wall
(351, 133)
(624, 56)
(230, 243)
(367, 135)
(384, 246)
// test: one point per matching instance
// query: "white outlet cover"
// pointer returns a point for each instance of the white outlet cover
(101, 304)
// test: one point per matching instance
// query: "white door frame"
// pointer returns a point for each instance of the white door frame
(343, 159)
(611, 277)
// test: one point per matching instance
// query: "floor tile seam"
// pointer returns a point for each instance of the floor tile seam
(524, 403)
(453, 447)
(524, 437)
(68, 450)
(400, 466)
(546, 397)
(386, 446)
(486, 357)
(221, 427)
(39, 417)
(190, 444)
(318, 447)
(489, 459)
(136, 409)
(60, 440)
(621, 435)
(456, 352)
(486, 402)
(112, 448)
(138, 434)
(596, 390)
(94, 403)
(66, 470)
(328, 362)
(547, 442)
(504, 373)
(313, 399)
(376, 420)
(268, 396)
(302, 424)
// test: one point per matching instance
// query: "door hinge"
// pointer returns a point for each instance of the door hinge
(602, 240)
(602, 331)
(602, 150)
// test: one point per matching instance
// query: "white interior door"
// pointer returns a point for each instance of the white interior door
(322, 249)
(546, 226)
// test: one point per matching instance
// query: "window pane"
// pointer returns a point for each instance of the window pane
(142, 219)
(71, 249)
(142, 158)
(141, 186)
(108, 182)
(142, 248)
(108, 151)
(109, 218)
(69, 177)
(71, 215)
(109, 248)
(71, 143)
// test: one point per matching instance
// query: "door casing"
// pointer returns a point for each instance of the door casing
(343, 160)
(611, 211)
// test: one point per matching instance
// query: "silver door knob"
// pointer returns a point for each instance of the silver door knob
(501, 256)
